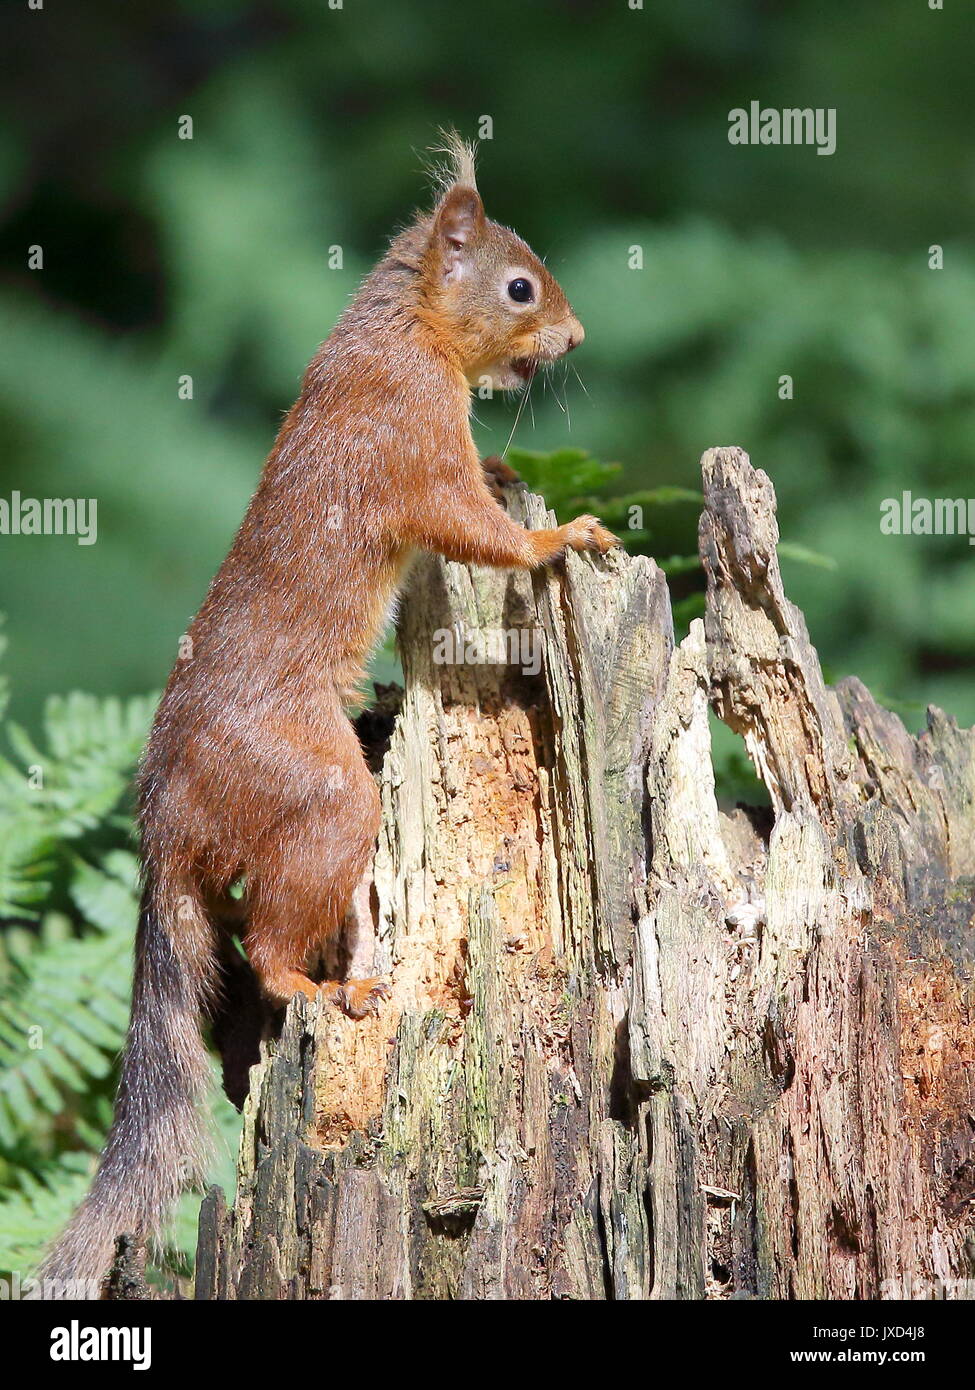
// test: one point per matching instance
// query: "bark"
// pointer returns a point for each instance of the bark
(640, 1045)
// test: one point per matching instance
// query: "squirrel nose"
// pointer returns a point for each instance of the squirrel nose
(576, 334)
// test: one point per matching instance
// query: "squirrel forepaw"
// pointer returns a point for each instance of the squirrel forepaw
(588, 533)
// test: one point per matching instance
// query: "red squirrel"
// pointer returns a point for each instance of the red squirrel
(253, 770)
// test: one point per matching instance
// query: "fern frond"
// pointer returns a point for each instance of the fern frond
(37, 1208)
(60, 791)
(65, 1007)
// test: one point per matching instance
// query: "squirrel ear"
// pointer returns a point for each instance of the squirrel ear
(458, 221)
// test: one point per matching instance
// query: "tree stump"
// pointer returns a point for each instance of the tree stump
(640, 1045)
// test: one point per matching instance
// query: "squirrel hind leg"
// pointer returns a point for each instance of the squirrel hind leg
(299, 893)
(281, 985)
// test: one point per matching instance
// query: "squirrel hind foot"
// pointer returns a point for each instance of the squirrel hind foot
(357, 998)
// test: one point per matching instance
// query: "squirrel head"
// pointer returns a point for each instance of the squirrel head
(486, 292)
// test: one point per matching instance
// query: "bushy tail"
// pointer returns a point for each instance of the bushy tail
(157, 1146)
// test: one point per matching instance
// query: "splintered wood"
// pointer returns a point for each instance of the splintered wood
(640, 1045)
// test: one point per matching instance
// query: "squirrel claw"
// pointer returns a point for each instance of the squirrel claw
(588, 533)
(358, 998)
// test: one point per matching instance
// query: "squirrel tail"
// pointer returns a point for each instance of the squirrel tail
(157, 1146)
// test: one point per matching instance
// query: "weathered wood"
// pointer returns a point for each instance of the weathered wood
(639, 1046)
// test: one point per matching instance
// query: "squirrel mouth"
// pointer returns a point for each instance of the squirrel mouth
(525, 367)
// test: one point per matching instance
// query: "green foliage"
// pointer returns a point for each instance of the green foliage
(572, 481)
(41, 1200)
(53, 797)
(210, 257)
(63, 1016)
(661, 521)
(68, 906)
(37, 1208)
(735, 779)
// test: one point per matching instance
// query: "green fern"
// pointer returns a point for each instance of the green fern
(64, 864)
(40, 1202)
(62, 1022)
(68, 909)
(61, 792)
(34, 1211)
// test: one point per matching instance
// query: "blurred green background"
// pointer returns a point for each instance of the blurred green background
(209, 258)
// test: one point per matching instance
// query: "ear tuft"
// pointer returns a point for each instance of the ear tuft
(458, 220)
(457, 165)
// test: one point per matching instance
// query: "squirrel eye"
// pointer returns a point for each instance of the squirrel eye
(521, 291)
